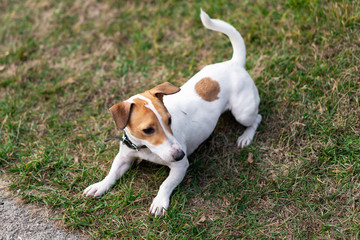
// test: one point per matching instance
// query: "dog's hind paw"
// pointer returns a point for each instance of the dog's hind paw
(244, 140)
(159, 206)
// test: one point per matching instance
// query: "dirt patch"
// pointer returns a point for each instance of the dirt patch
(28, 221)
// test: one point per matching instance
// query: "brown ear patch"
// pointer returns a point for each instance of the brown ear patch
(165, 88)
(207, 89)
(121, 113)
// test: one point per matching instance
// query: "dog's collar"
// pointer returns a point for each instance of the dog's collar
(127, 142)
(130, 144)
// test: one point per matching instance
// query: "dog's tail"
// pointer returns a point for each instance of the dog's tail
(237, 42)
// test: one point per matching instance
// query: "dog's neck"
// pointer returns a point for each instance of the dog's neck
(125, 139)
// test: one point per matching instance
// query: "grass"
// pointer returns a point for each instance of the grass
(63, 63)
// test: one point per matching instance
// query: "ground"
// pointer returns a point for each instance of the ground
(28, 221)
(64, 63)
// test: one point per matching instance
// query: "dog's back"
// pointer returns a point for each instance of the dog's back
(216, 88)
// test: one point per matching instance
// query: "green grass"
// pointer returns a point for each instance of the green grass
(63, 63)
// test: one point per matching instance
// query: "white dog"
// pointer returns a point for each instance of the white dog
(165, 125)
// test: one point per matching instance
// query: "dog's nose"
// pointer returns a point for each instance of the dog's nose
(178, 155)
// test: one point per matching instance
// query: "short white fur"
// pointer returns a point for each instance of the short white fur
(193, 119)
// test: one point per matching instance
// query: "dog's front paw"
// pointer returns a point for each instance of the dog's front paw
(159, 206)
(97, 189)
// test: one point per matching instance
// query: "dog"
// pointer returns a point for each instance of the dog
(165, 125)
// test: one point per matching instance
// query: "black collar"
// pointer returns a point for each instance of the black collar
(130, 144)
(127, 142)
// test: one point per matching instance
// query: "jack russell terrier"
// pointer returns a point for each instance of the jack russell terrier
(165, 125)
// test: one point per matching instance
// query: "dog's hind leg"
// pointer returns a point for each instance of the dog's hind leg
(248, 118)
(246, 138)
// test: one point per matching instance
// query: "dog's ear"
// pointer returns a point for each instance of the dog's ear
(121, 113)
(165, 88)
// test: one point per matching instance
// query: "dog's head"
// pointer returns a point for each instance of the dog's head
(149, 122)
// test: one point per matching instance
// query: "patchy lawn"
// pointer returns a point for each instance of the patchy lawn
(63, 63)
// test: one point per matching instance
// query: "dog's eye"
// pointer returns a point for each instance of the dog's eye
(149, 130)
(169, 121)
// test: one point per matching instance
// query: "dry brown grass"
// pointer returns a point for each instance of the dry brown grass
(62, 64)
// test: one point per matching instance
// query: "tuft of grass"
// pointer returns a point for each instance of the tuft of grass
(63, 63)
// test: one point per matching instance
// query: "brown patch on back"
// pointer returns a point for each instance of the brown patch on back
(208, 89)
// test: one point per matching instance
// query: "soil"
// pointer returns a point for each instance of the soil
(28, 221)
